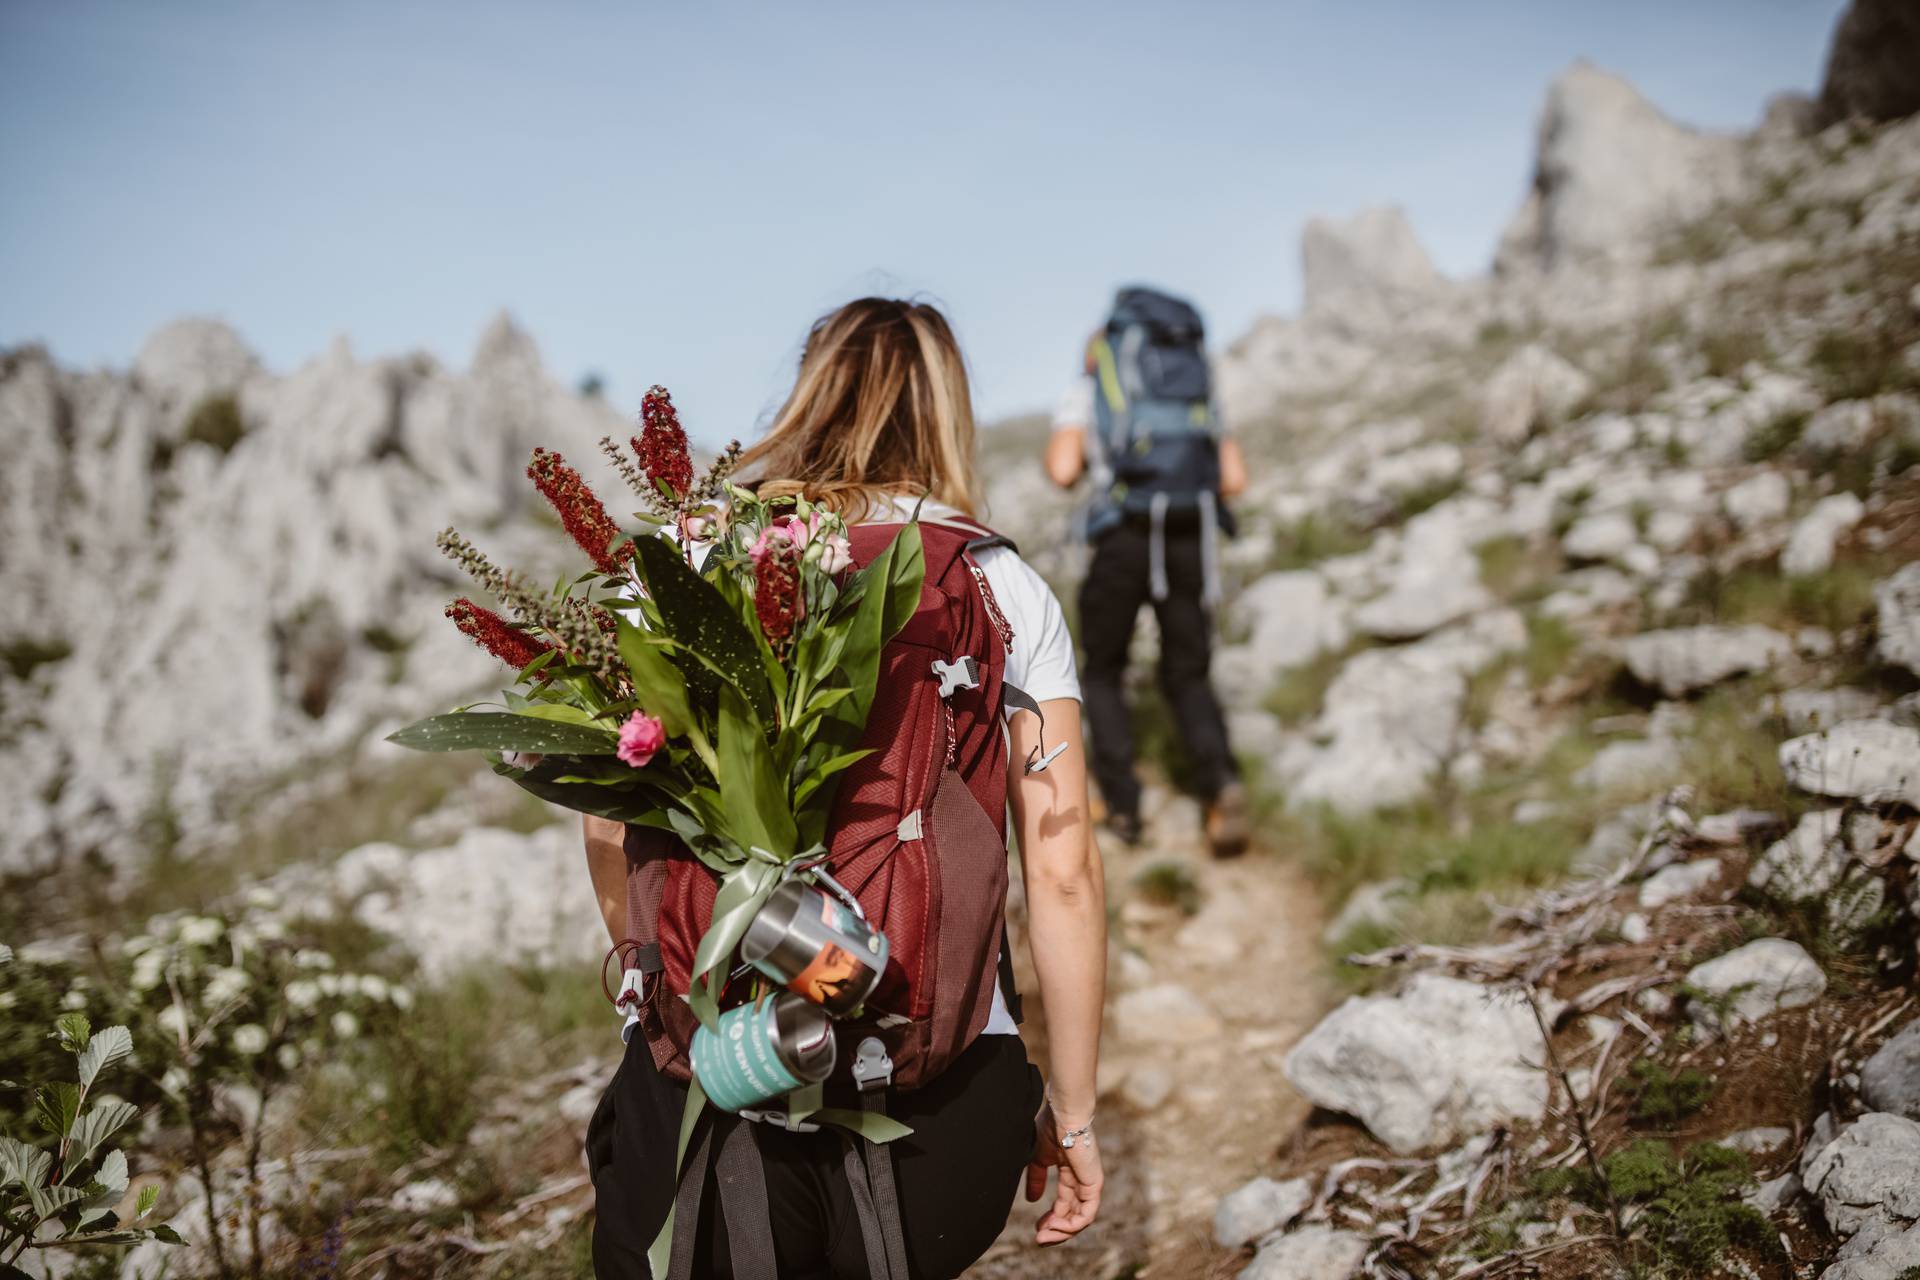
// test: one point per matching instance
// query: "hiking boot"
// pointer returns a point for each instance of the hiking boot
(1126, 827)
(1227, 822)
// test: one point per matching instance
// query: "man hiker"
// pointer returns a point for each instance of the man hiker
(1140, 423)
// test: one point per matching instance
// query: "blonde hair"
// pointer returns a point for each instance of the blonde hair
(880, 408)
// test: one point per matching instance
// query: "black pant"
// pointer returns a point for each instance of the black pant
(1118, 583)
(956, 1174)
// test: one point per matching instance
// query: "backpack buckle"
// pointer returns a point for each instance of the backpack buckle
(872, 1068)
(962, 673)
(779, 1120)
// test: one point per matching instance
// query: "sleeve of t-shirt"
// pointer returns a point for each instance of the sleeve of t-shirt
(1074, 410)
(1040, 660)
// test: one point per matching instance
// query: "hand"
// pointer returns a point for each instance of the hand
(1076, 1201)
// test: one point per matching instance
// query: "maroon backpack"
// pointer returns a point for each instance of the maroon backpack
(918, 835)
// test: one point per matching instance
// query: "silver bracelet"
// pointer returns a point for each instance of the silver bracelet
(1071, 1136)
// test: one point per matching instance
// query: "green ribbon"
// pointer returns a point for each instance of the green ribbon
(661, 1251)
(743, 891)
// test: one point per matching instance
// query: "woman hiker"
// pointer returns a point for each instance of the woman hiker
(879, 427)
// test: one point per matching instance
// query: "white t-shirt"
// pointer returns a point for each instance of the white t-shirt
(1040, 660)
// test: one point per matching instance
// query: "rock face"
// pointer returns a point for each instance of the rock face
(1311, 1253)
(1610, 171)
(1371, 257)
(1897, 602)
(1869, 1176)
(1870, 64)
(1871, 760)
(274, 538)
(1684, 659)
(1888, 1257)
(1433, 1063)
(1533, 387)
(1751, 982)
(1291, 618)
(1890, 1079)
(1261, 1207)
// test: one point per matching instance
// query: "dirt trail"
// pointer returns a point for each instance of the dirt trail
(1251, 963)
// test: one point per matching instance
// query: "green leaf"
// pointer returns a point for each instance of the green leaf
(743, 891)
(870, 1125)
(755, 795)
(560, 712)
(149, 1197)
(630, 805)
(101, 1122)
(73, 1029)
(167, 1235)
(658, 684)
(697, 616)
(112, 1175)
(55, 1106)
(830, 769)
(504, 731)
(22, 1164)
(104, 1050)
(48, 1202)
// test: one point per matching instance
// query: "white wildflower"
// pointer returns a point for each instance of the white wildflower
(312, 958)
(7, 1000)
(345, 1025)
(250, 1038)
(304, 994)
(225, 986)
(148, 970)
(175, 1081)
(288, 1056)
(373, 986)
(261, 898)
(201, 931)
(75, 999)
(138, 944)
(401, 997)
(269, 930)
(172, 1020)
(329, 984)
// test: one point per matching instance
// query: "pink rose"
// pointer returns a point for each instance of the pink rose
(789, 529)
(699, 528)
(640, 737)
(836, 553)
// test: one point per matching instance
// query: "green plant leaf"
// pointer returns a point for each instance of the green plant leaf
(743, 891)
(48, 1202)
(22, 1164)
(167, 1235)
(830, 769)
(55, 1106)
(754, 793)
(101, 1122)
(104, 1050)
(73, 1029)
(504, 731)
(659, 687)
(559, 712)
(112, 1175)
(149, 1197)
(699, 619)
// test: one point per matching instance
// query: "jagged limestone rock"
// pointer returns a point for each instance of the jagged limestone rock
(1534, 387)
(1869, 1175)
(1683, 659)
(1875, 761)
(1890, 1079)
(1869, 73)
(1426, 1066)
(1259, 1208)
(1314, 1252)
(1362, 261)
(1751, 982)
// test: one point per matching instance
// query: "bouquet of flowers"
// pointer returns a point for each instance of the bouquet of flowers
(710, 675)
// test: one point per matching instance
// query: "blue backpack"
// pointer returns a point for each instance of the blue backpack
(1155, 446)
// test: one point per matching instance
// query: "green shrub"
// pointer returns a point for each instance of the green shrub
(216, 423)
(1425, 497)
(1775, 436)
(1662, 1095)
(1314, 538)
(1299, 690)
(1690, 1211)
(1170, 884)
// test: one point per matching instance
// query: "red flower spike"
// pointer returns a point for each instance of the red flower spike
(586, 521)
(777, 600)
(494, 634)
(662, 443)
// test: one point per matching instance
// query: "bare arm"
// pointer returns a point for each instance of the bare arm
(1066, 455)
(1233, 469)
(1067, 914)
(607, 865)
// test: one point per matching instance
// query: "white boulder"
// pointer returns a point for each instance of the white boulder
(1607, 535)
(1869, 1176)
(1876, 761)
(1888, 1256)
(1533, 387)
(1682, 659)
(1751, 982)
(1804, 710)
(1761, 498)
(1680, 880)
(1426, 1066)
(1315, 1252)
(1898, 606)
(1291, 617)
(1890, 1079)
(1810, 546)
(1259, 1208)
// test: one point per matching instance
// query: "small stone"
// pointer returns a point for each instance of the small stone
(1758, 1142)
(1682, 659)
(1681, 880)
(1259, 1208)
(1890, 1079)
(1654, 1002)
(429, 1195)
(1898, 602)
(1147, 1087)
(1870, 760)
(1312, 1253)
(1635, 929)
(1811, 545)
(1807, 863)
(1759, 499)
(1754, 981)
(1772, 1196)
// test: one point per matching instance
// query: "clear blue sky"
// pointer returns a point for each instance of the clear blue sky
(672, 191)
